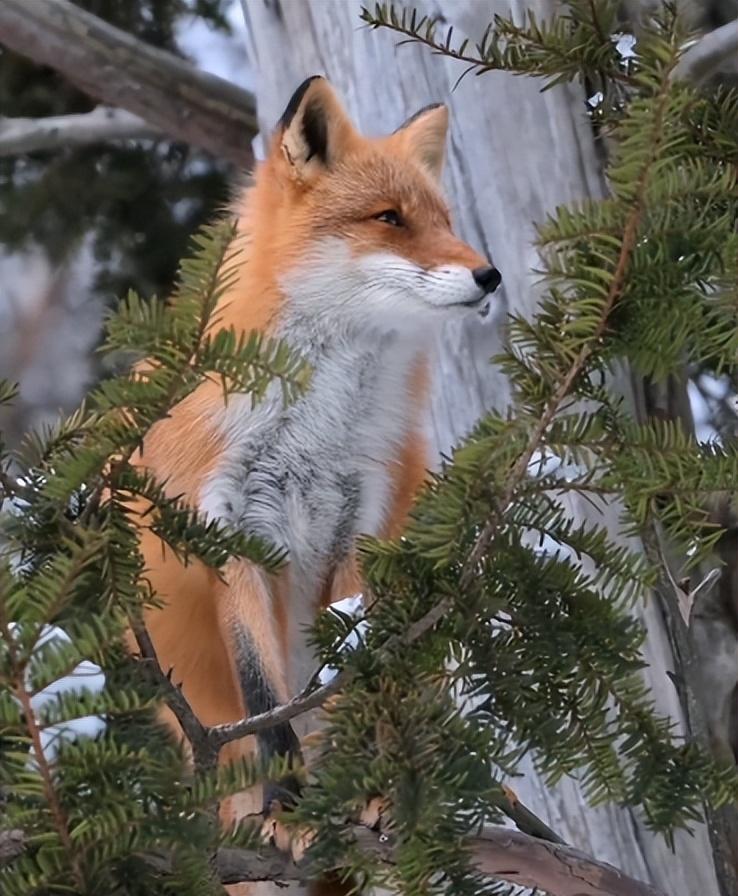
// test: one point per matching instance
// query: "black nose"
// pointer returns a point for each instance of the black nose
(488, 278)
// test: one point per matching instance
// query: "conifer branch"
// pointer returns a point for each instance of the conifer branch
(491, 53)
(519, 471)
(18, 666)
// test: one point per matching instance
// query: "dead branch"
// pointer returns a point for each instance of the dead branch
(204, 752)
(498, 852)
(302, 703)
(22, 135)
(556, 869)
(169, 93)
(717, 49)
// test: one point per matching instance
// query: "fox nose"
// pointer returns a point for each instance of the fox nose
(488, 278)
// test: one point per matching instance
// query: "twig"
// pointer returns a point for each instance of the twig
(302, 703)
(45, 772)
(204, 751)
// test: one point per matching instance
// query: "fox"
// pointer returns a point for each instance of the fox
(349, 255)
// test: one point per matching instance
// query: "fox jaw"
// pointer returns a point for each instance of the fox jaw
(361, 225)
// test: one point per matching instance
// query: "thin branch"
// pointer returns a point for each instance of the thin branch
(482, 63)
(204, 752)
(302, 703)
(519, 471)
(169, 93)
(717, 49)
(498, 852)
(24, 135)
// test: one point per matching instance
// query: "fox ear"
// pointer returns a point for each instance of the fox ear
(423, 137)
(314, 129)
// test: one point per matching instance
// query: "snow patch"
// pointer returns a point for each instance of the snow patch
(86, 676)
(625, 45)
(352, 606)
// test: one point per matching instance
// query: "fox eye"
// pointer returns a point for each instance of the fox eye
(390, 216)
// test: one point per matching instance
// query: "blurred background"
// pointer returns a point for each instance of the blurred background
(121, 134)
(79, 225)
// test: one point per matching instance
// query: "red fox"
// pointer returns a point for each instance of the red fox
(350, 257)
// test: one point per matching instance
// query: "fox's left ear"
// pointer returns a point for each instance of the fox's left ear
(314, 130)
(423, 137)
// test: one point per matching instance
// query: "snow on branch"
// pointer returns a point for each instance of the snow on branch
(23, 135)
(169, 93)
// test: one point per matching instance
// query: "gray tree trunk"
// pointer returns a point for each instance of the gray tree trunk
(514, 155)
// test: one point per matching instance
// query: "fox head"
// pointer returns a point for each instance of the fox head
(359, 225)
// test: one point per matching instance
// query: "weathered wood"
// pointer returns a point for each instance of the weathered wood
(499, 852)
(24, 135)
(115, 67)
(514, 155)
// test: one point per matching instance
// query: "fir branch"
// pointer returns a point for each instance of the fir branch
(17, 668)
(630, 232)
(540, 49)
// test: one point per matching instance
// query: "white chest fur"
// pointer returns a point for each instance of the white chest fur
(311, 476)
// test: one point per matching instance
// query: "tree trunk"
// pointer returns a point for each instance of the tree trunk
(514, 154)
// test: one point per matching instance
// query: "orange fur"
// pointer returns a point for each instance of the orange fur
(294, 201)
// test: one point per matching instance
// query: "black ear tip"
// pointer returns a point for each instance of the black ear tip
(419, 114)
(296, 99)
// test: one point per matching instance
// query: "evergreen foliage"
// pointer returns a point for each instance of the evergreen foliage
(70, 557)
(484, 643)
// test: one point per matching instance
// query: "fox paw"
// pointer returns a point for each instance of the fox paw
(286, 838)
(374, 812)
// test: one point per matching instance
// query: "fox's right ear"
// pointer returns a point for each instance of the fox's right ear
(314, 129)
(424, 137)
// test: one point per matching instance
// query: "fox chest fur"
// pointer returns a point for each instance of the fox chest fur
(311, 476)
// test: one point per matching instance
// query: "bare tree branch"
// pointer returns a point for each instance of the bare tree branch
(204, 752)
(556, 869)
(116, 68)
(302, 703)
(21, 135)
(716, 49)
(498, 852)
